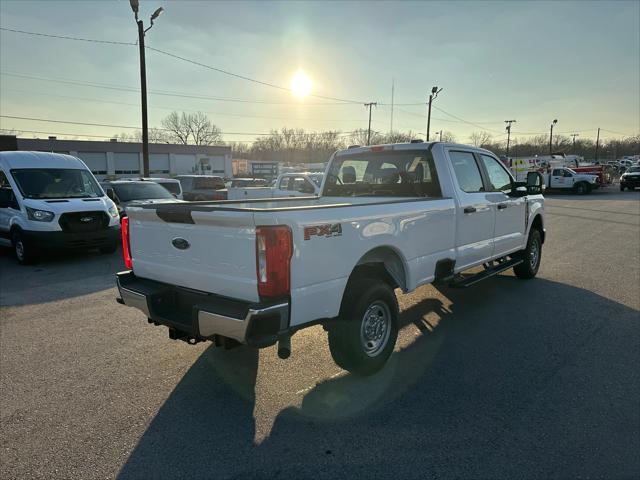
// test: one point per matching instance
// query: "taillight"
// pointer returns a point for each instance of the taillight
(126, 245)
(274, 247)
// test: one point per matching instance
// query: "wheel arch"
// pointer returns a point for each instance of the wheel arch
(538, 224)
(385, 262)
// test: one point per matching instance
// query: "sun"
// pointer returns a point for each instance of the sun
(301, 84)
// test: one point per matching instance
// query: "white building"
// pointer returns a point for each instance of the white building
(124, 159)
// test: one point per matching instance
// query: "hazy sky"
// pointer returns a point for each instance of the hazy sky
(531, 61)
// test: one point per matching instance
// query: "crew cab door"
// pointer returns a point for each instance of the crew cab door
(509, 230)
(475, 216)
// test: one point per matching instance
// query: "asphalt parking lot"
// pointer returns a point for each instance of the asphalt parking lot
(507, 379)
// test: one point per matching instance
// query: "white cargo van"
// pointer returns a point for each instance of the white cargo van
(53, 201)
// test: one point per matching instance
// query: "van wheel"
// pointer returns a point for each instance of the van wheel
(365, 334)
(531, 256)
(24, 252)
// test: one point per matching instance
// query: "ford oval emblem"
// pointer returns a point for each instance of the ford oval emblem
(180, 243)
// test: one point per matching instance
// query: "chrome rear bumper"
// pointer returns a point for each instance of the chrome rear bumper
(204, 316)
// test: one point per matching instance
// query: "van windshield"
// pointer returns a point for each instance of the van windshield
(56, 183)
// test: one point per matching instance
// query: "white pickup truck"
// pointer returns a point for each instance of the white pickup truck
(390, 216)
(566, 178)
(292, 184)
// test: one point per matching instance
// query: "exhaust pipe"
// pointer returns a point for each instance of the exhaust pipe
(284, 346)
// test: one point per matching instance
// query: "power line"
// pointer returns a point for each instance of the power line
(162, 92)
(165, 107)
(88, 124)
(64, 37)
(184, 59)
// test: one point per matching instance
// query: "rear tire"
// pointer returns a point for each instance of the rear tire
(622, 188)
(531, 256)
(23, 251)
(365, 334)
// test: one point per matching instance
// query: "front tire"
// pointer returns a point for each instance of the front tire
(23, 251)
(582, 188)
(365, 334)
(621, 188)
(531, 256)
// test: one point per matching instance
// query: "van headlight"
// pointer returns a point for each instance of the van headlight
(113, 211)
(39, 215)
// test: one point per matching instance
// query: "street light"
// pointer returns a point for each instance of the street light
(434, 93)
(135, 6)
(551, 135)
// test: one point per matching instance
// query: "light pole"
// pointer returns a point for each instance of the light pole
(439, 133)
(508, 129)
(135, 4)
(551, 135)
(370, 105)
(434, 93)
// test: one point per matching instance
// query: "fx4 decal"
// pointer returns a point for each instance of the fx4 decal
(328, 230)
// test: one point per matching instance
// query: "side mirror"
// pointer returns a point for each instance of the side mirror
(518, 190)
(535, 183)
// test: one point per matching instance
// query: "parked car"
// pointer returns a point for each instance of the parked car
(172, 185)
(389, 216)
(53, 201)
(248, 182)
(135, 192)
(294, 184)
(630, 179)
(202, 187)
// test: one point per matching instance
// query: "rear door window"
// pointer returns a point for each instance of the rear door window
(466, 171)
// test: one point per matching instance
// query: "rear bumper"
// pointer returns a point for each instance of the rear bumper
(63, 240)
(203, 316)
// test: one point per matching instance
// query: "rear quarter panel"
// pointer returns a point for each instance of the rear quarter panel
(420, 232)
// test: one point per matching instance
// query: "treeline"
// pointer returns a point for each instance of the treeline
(295, 145)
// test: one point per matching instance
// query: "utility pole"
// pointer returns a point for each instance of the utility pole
(551, 136)
(434, 93)
(370, 105)
(135, 4)
(574, 135)
(508, 129)
(597, 144)
(392, 89)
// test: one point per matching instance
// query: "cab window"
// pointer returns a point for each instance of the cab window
(498, 176)
(466, 171)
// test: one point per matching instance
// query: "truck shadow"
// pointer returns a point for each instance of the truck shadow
(485, 385)
(56, 276)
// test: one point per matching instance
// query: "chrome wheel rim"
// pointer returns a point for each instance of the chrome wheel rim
(534, 254)
(19, 249)
(375, 328)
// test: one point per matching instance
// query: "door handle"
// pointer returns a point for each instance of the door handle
(502, 206)
(469, 209)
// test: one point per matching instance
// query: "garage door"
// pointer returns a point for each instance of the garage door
(158, 163)
(184, 163)
(96, 161)
(127, 163)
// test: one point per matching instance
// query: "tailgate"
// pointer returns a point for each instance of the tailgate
(211, 251)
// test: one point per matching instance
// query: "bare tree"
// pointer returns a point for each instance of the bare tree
(481, 138)
(447, 136)
(156, 135)
(192, 128)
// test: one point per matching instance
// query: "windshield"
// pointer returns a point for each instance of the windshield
(383, 174)
(572, 171)
(171, 187)
(127, 192)
(56, 183)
